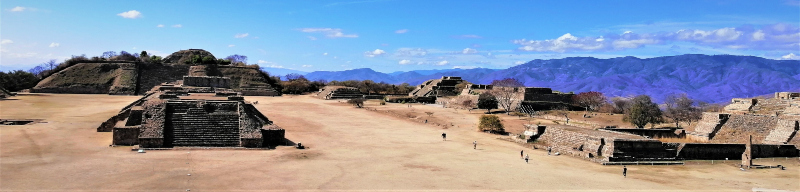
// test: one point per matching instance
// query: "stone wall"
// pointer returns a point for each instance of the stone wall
(206, 81)
(151, 134)
(739, 105)
(709, 151)
(128, 135)
(786, 95)
(650, 133)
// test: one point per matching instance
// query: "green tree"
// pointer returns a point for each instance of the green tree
(642, 111)
(491, 124)
(487, 101)
(17, 80)
(208, 60)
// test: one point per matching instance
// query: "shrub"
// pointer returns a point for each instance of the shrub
(491, 124)
(359, 103)
(399, 99)
(383, 102)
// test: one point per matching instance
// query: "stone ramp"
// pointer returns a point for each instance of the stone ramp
(196, 127)
(783, 132)
(339, 92)
(738, 127)
(708, 126)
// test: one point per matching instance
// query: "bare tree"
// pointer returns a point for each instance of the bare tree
(680, 108)
(591, 100)
(109, 54)
(237, 59)
(468, 104)
(506, 92)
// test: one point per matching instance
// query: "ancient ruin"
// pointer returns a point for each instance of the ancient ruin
(769, 121)
(615, 146)
(179, 115)
(445, 86)
(136, 78)
(339, 92)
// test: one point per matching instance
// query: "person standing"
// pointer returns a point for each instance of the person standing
(548, 150)
(520, 153)
(625, 171)
(475, 145)
(526, 159)
(444, 136)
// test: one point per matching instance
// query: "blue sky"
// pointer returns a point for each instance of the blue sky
(389, 36)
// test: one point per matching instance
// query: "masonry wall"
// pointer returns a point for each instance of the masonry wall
(710, 151)
(206, 81)
(652, 133)
(152, 130)
(128, 135)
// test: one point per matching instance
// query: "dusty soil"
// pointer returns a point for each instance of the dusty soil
(349, 149)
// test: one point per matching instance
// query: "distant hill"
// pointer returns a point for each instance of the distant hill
(281, 71)
(707, 78)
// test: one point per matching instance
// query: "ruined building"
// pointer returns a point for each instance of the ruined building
(446, 86)
(769, 121)
(339, 92)
(136, 77)
(204, 114)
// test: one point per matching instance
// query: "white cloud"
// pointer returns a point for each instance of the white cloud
(519, 62)
(791, 56)
(401, 31)
(307, 66)
(160, 25)
(312, 38)
(404, 62)
(758, 35)
(377, 52)
(329, 32)
(469, 51)
(241, 35)
(231, 45)
(132, 14)
(270, 64)
(325, 53)
(6, 41)
(445, 62)
(177, 26)
(772, 37)
(18, 9)
(54, 44)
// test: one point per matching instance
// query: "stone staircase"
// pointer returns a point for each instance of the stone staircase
(770, 106)
(192, 126)
(782, 133)
(340, 93)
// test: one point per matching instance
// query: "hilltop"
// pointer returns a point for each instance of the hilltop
(129, 77)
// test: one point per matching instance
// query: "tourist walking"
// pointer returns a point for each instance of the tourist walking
(548, 150)
(625, 171)
(444, 136)
(526, 159)
(475, 145)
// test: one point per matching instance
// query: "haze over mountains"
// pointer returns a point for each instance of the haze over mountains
(715, 79)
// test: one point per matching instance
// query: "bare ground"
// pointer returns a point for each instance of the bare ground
(349, 149)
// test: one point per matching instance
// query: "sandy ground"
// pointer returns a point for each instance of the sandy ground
(349, 149)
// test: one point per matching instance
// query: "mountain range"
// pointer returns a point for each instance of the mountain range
(709, 78)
